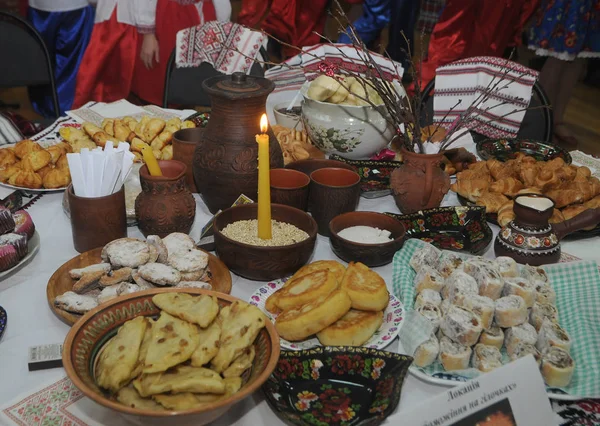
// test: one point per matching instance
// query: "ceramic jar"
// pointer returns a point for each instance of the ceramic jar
(226, 160)
(419, 183)
(165, 204)
(184, 144)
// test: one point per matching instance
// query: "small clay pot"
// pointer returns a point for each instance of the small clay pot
(165, 204)
(97, 221)
(312, 164)
(184, 144)
(289, 187)
(370, 254)
(333, 191)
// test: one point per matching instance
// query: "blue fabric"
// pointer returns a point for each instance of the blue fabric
(566, 26)
(376, 15)
(66, 35)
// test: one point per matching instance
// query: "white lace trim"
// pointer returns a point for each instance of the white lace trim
(565, 56)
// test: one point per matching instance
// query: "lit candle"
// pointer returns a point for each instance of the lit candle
(264, 185)
(151, 162)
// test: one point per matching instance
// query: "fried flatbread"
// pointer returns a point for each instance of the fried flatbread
(303, 290)
(200, 310)
(146, 341)
(173, 342)
(130, 397)
(238, 331)
(119, 358)
(336, 267)
(209, 345)
(188, 400)
(182, 378)
(366, 288)
(353, 329)
(241, 363)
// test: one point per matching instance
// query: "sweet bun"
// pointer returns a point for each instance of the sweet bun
(7, 157)
(26, 179)
(454, 356)
(25, 147)
(366, 288)
(303, 290)
(299, 323)
(557, 367)
(486, 358)
(510, 311)
(56, 178)
(427, 352)
(493, 336)
(353, 329)
(461, 325)
(36, 160)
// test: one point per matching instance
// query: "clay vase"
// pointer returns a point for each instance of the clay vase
(165, 204)
(184, 145)
(419, 183)
(226, 161)
(530, 238)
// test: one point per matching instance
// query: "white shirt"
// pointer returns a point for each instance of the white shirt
(222, 10)
(58, 5)
(138, 13)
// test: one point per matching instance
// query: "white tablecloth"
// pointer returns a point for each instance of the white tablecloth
(31, 322)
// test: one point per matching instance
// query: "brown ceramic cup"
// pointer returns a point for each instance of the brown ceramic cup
(97, 221)
(289, 187)
(333, 191)
(184, 144)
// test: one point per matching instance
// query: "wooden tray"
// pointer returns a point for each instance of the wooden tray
(61, 282)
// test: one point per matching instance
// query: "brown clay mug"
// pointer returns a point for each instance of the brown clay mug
(289, 187)
(97, 221)
(184, 144)
(333, 191)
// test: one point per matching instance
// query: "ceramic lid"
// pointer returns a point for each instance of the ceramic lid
(238, 86)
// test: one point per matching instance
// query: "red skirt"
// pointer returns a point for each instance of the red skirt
(171, 17)
(107, 67)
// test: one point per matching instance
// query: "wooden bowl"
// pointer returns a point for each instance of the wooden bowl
(369, 254)
(264, 263)
(86, 338)
(60, 282)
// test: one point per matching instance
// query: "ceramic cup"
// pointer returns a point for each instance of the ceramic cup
(97, 221)
(184, 144)
(289, 187)
(333, 191)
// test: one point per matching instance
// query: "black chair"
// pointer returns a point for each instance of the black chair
(537, 123)
(183, 86)
(25, 58)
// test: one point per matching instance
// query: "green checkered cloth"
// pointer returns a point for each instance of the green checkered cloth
(577, 286)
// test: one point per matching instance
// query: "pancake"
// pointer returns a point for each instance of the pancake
(353, 329)
(366, 288)
(336, 267)
(302, 290)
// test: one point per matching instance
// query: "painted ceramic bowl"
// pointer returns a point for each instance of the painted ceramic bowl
(372, 255)
(336, 385)
(354, 132)
(505, 149)
(459, 228)
(86, 338)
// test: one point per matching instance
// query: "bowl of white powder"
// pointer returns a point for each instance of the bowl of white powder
(367, 237)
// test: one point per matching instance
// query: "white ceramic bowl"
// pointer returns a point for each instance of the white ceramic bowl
(290, 121)
(353, 132)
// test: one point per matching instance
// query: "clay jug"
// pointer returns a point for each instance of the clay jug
(226, 160)
(184, 145)
(165, 204)
(530, 238)
(419, 183)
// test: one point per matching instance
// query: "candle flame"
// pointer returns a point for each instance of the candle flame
(264, 123)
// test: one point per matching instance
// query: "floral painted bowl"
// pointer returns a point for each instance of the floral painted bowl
(505, 149)
(336, 385)
(458, 228)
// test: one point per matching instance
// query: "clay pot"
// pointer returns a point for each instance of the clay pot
(226, 162)
(165, 204)
(419, 183)
(289, 187)
(184, 145)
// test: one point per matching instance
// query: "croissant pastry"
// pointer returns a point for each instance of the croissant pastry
(571, 211)
(508, 186)
(26, 179)
(492, 201)
(529, 190)
(528, 173)
(566, 173)
(555, 163)
(582, 174)
(525, 160)
(557, 216)
(546, 179)
(571, 193)
(500, 170)
(470, 189)
(594, 203)
(25, 147)
(506, 213)
(479, 165)
(474, 174)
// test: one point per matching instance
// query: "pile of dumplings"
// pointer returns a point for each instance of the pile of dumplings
(343, 90)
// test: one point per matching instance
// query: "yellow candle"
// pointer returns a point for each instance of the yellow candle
(151, 162)
(264, 185)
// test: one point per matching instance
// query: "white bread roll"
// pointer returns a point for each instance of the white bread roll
(510, 311)
(461, 325)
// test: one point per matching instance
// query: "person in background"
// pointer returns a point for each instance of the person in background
(66, 27)
(566, 31)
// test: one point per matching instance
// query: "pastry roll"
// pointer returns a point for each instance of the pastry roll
(524, 333)
(454, 356)
(448, 264)
(534, 275)
(542, 311)
(428, 278)
(545, 294)
(552, 335)
(523, 349)
(486, 358)
(428, 296)
(432, 313)
(427, 255)
(520, 287)
(493, 336)
(487, 277)
(427, 352)
(507, 266)
(461, 325)
(445, 306)
(510, 311)
(557, 367)
(459, 284)
(480, 305)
